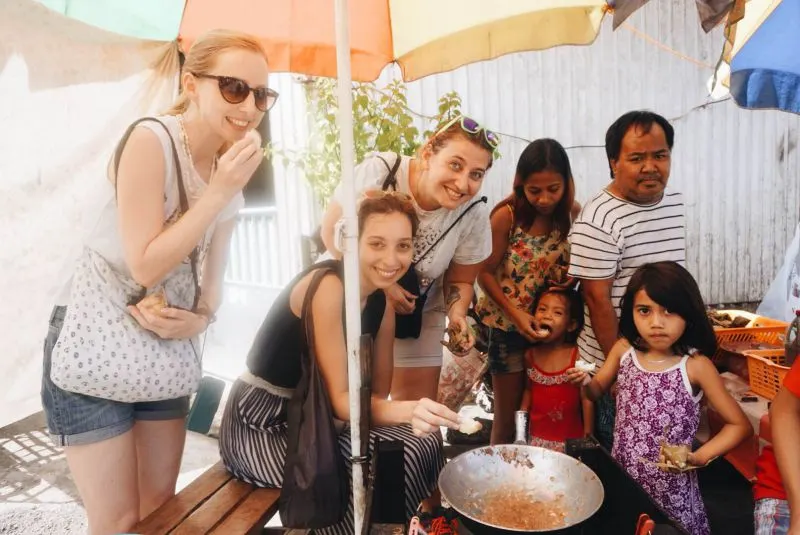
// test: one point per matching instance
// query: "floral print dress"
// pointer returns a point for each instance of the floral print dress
(653, 407)
(529, 262)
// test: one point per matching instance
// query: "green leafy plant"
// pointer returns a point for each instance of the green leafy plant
(382, 121)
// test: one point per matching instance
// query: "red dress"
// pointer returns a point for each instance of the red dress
(556, 411)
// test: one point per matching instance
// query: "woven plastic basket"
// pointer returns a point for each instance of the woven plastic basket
(766, 370)
(759, 332)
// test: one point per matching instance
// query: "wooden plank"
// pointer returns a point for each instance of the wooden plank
(169, 515)
(215, 509)
(250, 515)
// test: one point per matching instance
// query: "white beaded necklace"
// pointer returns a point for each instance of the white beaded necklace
(195, 190)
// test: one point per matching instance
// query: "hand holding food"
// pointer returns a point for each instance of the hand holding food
(585, 366)
(578, 377)
(236, 167)
(459, 338)
(674, 456)
(154, 302)
(428, 416)
(526, 325)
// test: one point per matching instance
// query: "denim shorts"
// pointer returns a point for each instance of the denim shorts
(75, 419)
(771, 517)
(506, 351)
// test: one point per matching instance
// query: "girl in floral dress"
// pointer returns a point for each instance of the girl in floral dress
(662, 373)
(555, 406)
(529, 247)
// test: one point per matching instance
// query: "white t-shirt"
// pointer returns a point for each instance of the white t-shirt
(105, 238)
(612, 238)
(469, 242)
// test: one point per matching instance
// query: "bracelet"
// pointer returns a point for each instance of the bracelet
(210, 317)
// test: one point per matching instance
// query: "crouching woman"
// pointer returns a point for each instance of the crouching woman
(253, 438)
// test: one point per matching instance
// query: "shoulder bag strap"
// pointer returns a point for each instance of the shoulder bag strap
(184, 201)
(452, 225)
(441, 237)
(391, 179)
(306, 316)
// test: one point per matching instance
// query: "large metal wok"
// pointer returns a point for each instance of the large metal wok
(535, 471)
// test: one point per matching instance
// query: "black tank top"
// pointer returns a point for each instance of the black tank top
(275, 354)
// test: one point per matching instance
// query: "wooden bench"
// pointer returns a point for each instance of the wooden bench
(215, 503)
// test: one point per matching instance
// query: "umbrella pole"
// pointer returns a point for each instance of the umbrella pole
(350, 242)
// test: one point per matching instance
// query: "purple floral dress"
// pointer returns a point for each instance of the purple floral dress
(653, 407)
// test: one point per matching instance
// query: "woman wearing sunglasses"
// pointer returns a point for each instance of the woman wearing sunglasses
(174, 192)
(454, 238)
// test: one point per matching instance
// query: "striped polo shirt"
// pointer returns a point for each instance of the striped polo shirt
(612, 238)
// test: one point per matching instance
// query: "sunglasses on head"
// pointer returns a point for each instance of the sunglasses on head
(471, 126)
(236, 91)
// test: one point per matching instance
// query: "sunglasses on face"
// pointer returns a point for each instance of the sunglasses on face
(235, 91)
(471, 126)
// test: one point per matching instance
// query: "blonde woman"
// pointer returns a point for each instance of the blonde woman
(454, 239)
(163, 204)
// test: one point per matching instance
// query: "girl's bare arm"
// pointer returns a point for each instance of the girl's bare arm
(703, 375)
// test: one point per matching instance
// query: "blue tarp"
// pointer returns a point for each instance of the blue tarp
(765, 73)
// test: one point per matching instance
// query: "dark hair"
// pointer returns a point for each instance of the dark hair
(440, 139)
(541, 155)
(641, 119)
(670, 285)
(575, 302)
(386, 202)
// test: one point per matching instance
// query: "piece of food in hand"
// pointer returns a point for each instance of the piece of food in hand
(154, 302)
(469, 426)
(584, 366)
(674, 455)
(457, 338)
(541, 331)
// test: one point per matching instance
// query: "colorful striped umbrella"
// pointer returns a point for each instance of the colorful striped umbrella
(424, 37)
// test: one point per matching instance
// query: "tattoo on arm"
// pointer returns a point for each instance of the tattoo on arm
(453, 296)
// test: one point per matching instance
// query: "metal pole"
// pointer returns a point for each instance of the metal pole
(350, 242)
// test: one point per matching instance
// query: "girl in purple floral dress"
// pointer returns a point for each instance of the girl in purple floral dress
(662, 373)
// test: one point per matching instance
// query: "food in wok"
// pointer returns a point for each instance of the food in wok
(514, 508)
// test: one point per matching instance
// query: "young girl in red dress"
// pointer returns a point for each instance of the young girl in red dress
(556, 409)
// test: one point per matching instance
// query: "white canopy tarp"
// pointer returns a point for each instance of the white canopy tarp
(67, 91)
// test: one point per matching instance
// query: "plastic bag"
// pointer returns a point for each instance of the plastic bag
(783, 296)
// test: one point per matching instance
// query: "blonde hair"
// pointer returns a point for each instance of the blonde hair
(202, 57)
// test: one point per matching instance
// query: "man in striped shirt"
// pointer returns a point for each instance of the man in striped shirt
(635, 220)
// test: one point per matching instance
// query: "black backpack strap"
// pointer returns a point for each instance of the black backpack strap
(391, 179)
(183, 199)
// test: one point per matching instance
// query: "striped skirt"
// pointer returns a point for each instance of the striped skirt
(252, 445)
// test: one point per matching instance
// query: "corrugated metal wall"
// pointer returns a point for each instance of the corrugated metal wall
(298, 210)
(739, 169)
